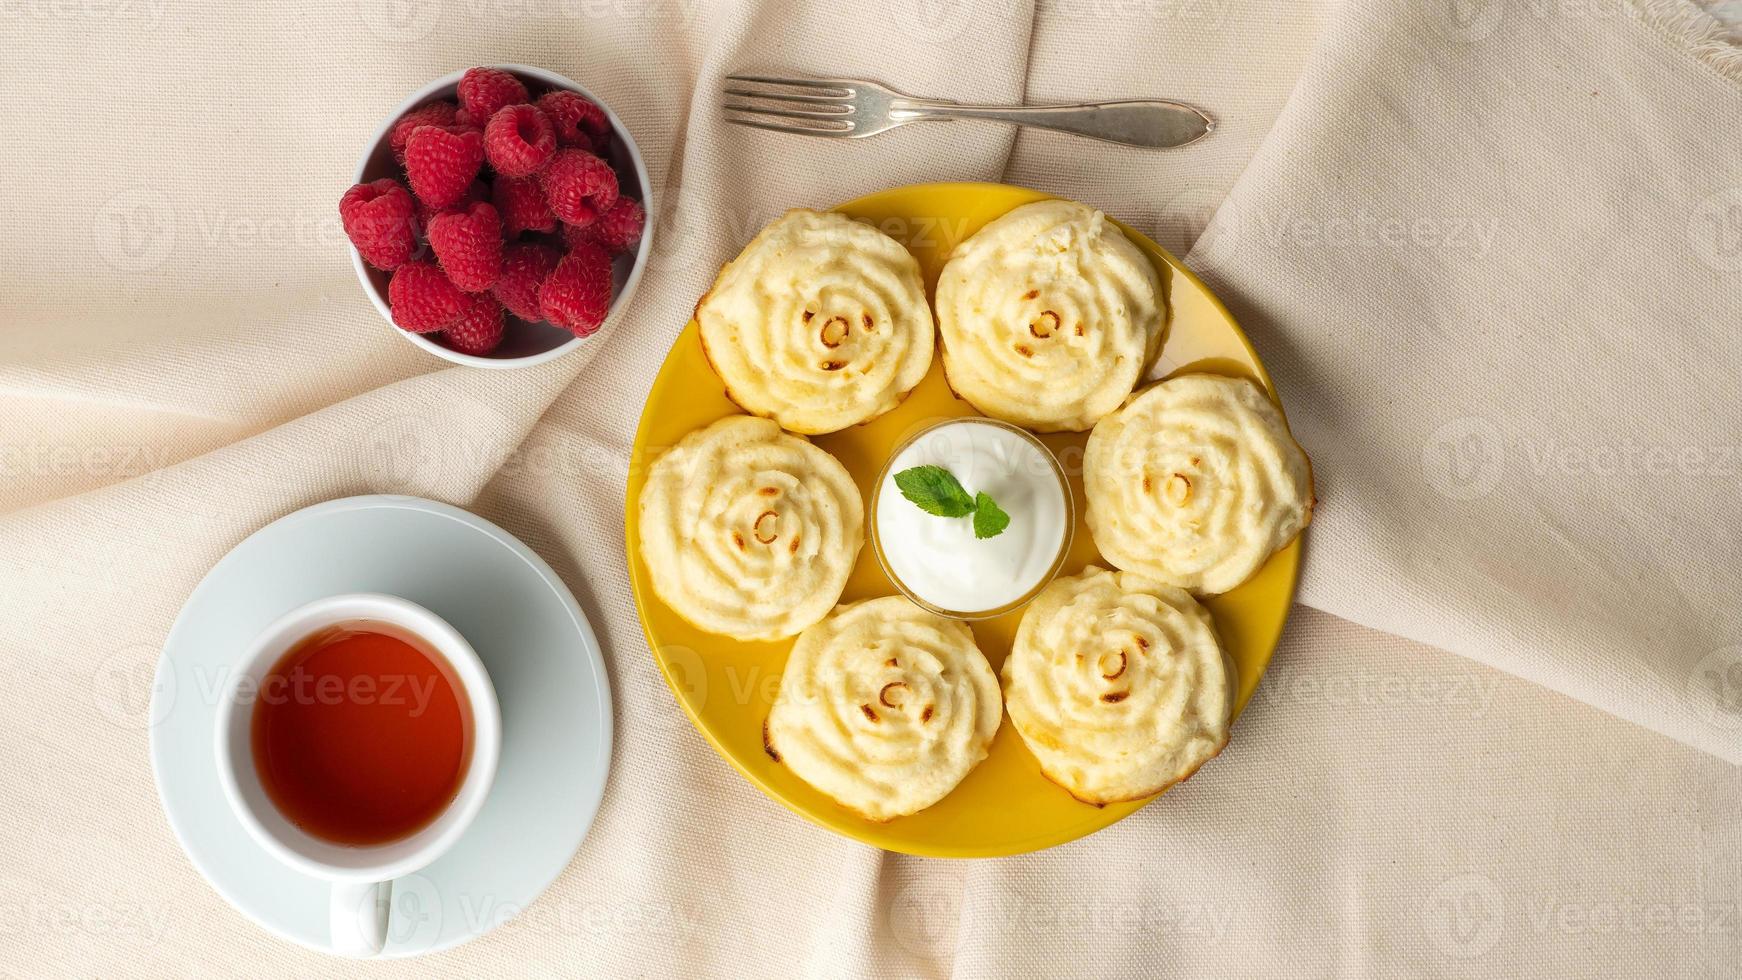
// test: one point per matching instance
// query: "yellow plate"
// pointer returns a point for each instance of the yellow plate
(727, 687)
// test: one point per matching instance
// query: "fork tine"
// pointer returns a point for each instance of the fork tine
(843, 91)
(841, 102)
(798, 130)
(819, 116)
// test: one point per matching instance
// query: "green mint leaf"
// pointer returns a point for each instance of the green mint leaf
(935, 490)
(989, 520)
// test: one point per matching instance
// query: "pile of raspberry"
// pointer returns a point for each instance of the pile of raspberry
(519, 209)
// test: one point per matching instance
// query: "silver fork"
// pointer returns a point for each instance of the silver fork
(853, 108)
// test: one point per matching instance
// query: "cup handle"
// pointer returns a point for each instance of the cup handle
(359, 917)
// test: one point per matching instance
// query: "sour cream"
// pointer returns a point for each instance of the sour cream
(937, 561)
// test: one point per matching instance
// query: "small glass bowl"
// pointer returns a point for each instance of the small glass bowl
(1064, 548)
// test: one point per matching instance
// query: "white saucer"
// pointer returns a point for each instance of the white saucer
(531, 635)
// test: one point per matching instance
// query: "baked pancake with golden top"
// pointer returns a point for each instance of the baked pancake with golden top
(1118, 685)
(748, 531)
(1049, 315)
(1196, 483)
(820, 323)
(884, 707)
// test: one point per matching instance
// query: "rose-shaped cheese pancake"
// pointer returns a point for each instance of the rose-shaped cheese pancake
(1118, 685)
(884, 707)
(820, 323)
(1196, 483)
(748, 531)
(1049, 316)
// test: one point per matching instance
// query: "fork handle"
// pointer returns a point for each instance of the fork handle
(1150, 123)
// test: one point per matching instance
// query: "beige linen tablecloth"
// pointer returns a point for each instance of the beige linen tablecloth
(1492, 252)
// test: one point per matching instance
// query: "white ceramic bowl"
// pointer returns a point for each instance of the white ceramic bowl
(523, 344)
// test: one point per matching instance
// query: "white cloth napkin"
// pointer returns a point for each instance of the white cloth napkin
(186, 357)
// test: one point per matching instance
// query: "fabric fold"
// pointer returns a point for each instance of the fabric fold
(1493, 261)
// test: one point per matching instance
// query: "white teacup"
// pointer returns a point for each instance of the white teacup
(362, 876)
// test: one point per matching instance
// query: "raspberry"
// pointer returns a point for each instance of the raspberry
(579, 186)
(433, 114)
(619, 229)
(441, 161)
(525, 267)
(483, 91)
(576, 234)
(469, 244)
(520, 201)
(479, 328)
(422, 298)
(519, 140)
(380, 218)
(577, 295)
(578, 122)
(478, 191)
